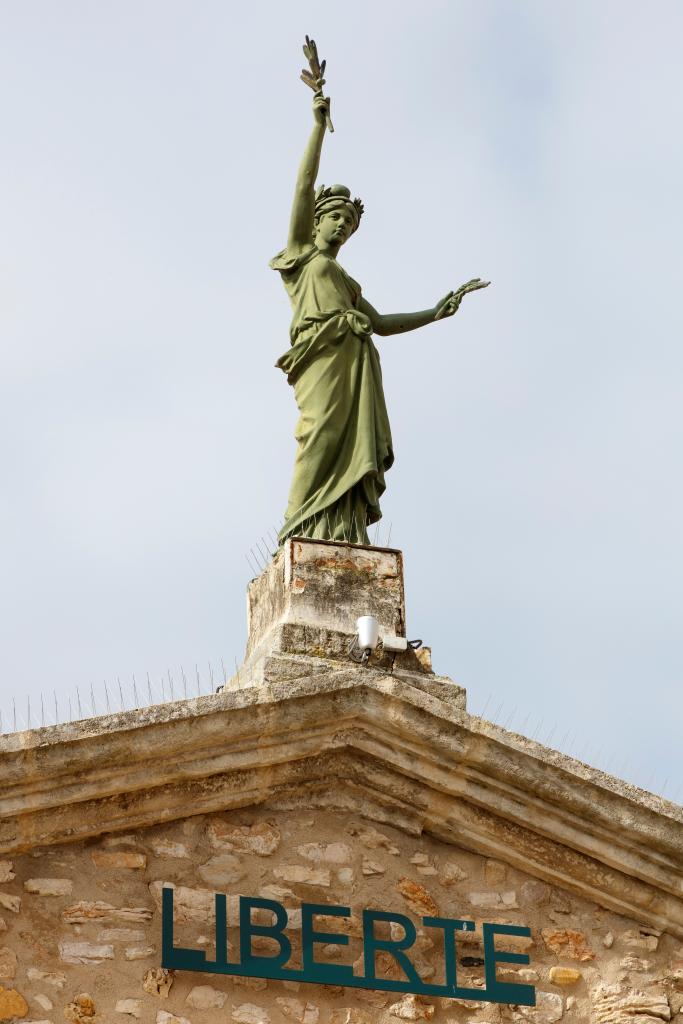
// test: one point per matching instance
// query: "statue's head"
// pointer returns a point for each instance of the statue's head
(337, 215)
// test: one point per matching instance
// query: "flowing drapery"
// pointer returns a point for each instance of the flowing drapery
(343, 436)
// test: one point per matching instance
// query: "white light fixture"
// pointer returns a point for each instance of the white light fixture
(367, 631)
(367, 639)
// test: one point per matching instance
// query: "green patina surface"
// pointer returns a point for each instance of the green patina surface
(343, 435)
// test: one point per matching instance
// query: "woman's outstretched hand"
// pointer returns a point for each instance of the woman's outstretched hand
(450, 304)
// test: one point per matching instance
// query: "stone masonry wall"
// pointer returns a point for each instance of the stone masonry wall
(80, 928)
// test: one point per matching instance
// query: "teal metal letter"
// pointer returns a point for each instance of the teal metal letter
(250, 963)
(504, 991)
(371, 944)
(176, 958)
(325, 974)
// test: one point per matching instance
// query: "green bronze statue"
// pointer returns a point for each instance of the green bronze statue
(343, 435)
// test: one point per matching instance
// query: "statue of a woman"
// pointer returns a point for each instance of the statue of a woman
(343, 434)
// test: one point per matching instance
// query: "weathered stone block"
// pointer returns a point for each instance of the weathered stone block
(133, 1007)
(12, 1004)
(615, 1005)
(326, 585)
(139, 952)
(223, 869)
(163, 1017)
(54, 978)
(263, 838)
(97, 910)
(49, 886)
(11, 903)
(564, 976)
(302, 875)
(81, 1010)
(294, 1009)
(248, 1013)
(118, 859)
(568, 943)
(206, 997)
(167, 848)
(121, 935)
(325, 853)
(158, 981)
(8, 963)
(411, 1007)
(549, 1008)
(84, 952)
(417, 897)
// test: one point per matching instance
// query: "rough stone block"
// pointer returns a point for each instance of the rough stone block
(158, 981)
(329, 585)
(163, 1017)
(417, 897)
(12, 1004)
(49, 886)
(299, 873)
(11, 903)
(325, 853)
(567, 943)
(263, 838)
(564, 976)
(133, 1007)
(248, 1013)
(223, 869)
(167, 848)
(81, 1011)
(139, 952)
(54, 978)
(411, 1007)
(97, 910)
(206, 997)
(84, 952)
(118, 859)
(8, 963)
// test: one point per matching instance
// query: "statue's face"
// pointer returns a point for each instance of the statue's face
(334, 228)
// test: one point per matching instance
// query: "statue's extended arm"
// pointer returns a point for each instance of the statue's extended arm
(399, 323)
(303, 206)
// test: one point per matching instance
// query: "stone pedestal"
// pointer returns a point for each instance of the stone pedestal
(302, 612)
(326, 585)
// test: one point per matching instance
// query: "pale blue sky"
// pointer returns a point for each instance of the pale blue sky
(148, 156)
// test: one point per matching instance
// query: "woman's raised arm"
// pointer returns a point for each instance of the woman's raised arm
(303, 206)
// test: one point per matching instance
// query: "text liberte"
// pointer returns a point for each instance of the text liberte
(314, 971)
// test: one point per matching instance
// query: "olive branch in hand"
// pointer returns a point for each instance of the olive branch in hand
(314, 78)
(451, 303)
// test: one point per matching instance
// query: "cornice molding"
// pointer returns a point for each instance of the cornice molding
(395, 748)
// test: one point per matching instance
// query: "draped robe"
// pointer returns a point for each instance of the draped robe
(343, 435)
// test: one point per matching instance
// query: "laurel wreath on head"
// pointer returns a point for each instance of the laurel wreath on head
(323, 193)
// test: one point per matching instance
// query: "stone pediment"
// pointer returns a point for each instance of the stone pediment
(303, 726)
